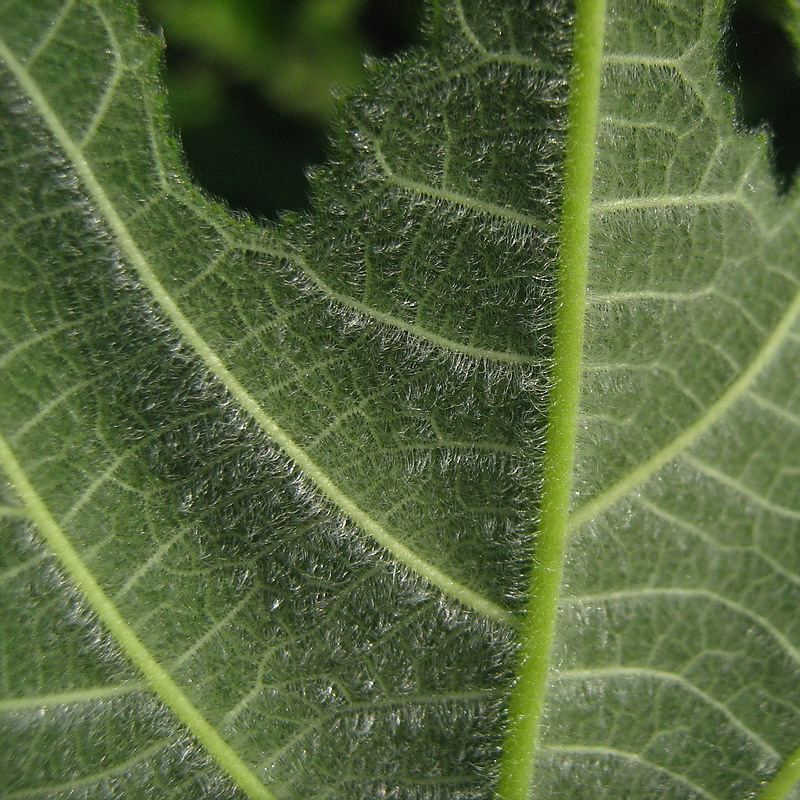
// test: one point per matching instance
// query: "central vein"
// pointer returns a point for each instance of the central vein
(526, 703)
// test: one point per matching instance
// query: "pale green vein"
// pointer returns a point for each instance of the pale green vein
(678, 680)
(635, 758)
(20, 347)
(48, 408)
(454, 198)
(13, 511)
(92, 779)
(690, 593)
(708, 538)
(137, 260)
(487, 56)
(76, 697)
(52, 30)
(216, 628)
(740, 488)
(526, 703)
(9, 574)
(151, 562)
(467, 29)
(772, 344)
(637, 60)
(391, 320)
(778, 411)
(663, 202)
(159, 679)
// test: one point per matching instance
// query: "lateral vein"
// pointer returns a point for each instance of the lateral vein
(390, 319)
(75, 697)
(636, 477)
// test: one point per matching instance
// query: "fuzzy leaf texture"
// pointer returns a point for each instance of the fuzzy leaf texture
(278, 520)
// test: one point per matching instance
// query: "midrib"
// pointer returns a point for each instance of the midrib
(526, 703)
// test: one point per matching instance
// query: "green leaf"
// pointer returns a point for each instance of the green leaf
(482, 481)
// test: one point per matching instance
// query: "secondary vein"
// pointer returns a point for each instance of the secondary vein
(683, 441)
(158, 678)
(138, 261)
(526, 703)
(75, 697)
(390, 319)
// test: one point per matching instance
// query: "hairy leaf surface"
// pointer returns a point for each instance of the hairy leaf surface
(279, 515)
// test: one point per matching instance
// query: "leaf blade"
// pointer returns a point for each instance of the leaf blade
(688, 235)
(131, 368)
(218, 368)
(329, 668)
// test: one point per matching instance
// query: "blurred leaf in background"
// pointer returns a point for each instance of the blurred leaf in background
(250, 85)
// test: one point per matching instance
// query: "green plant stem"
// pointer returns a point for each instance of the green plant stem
(784, 780)
(527, 698)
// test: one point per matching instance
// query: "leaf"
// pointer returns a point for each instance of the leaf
(274, 492)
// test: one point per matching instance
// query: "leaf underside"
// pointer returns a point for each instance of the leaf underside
(272, 491)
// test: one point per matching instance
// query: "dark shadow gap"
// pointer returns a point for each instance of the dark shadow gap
(763, 66)
(250, 135)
